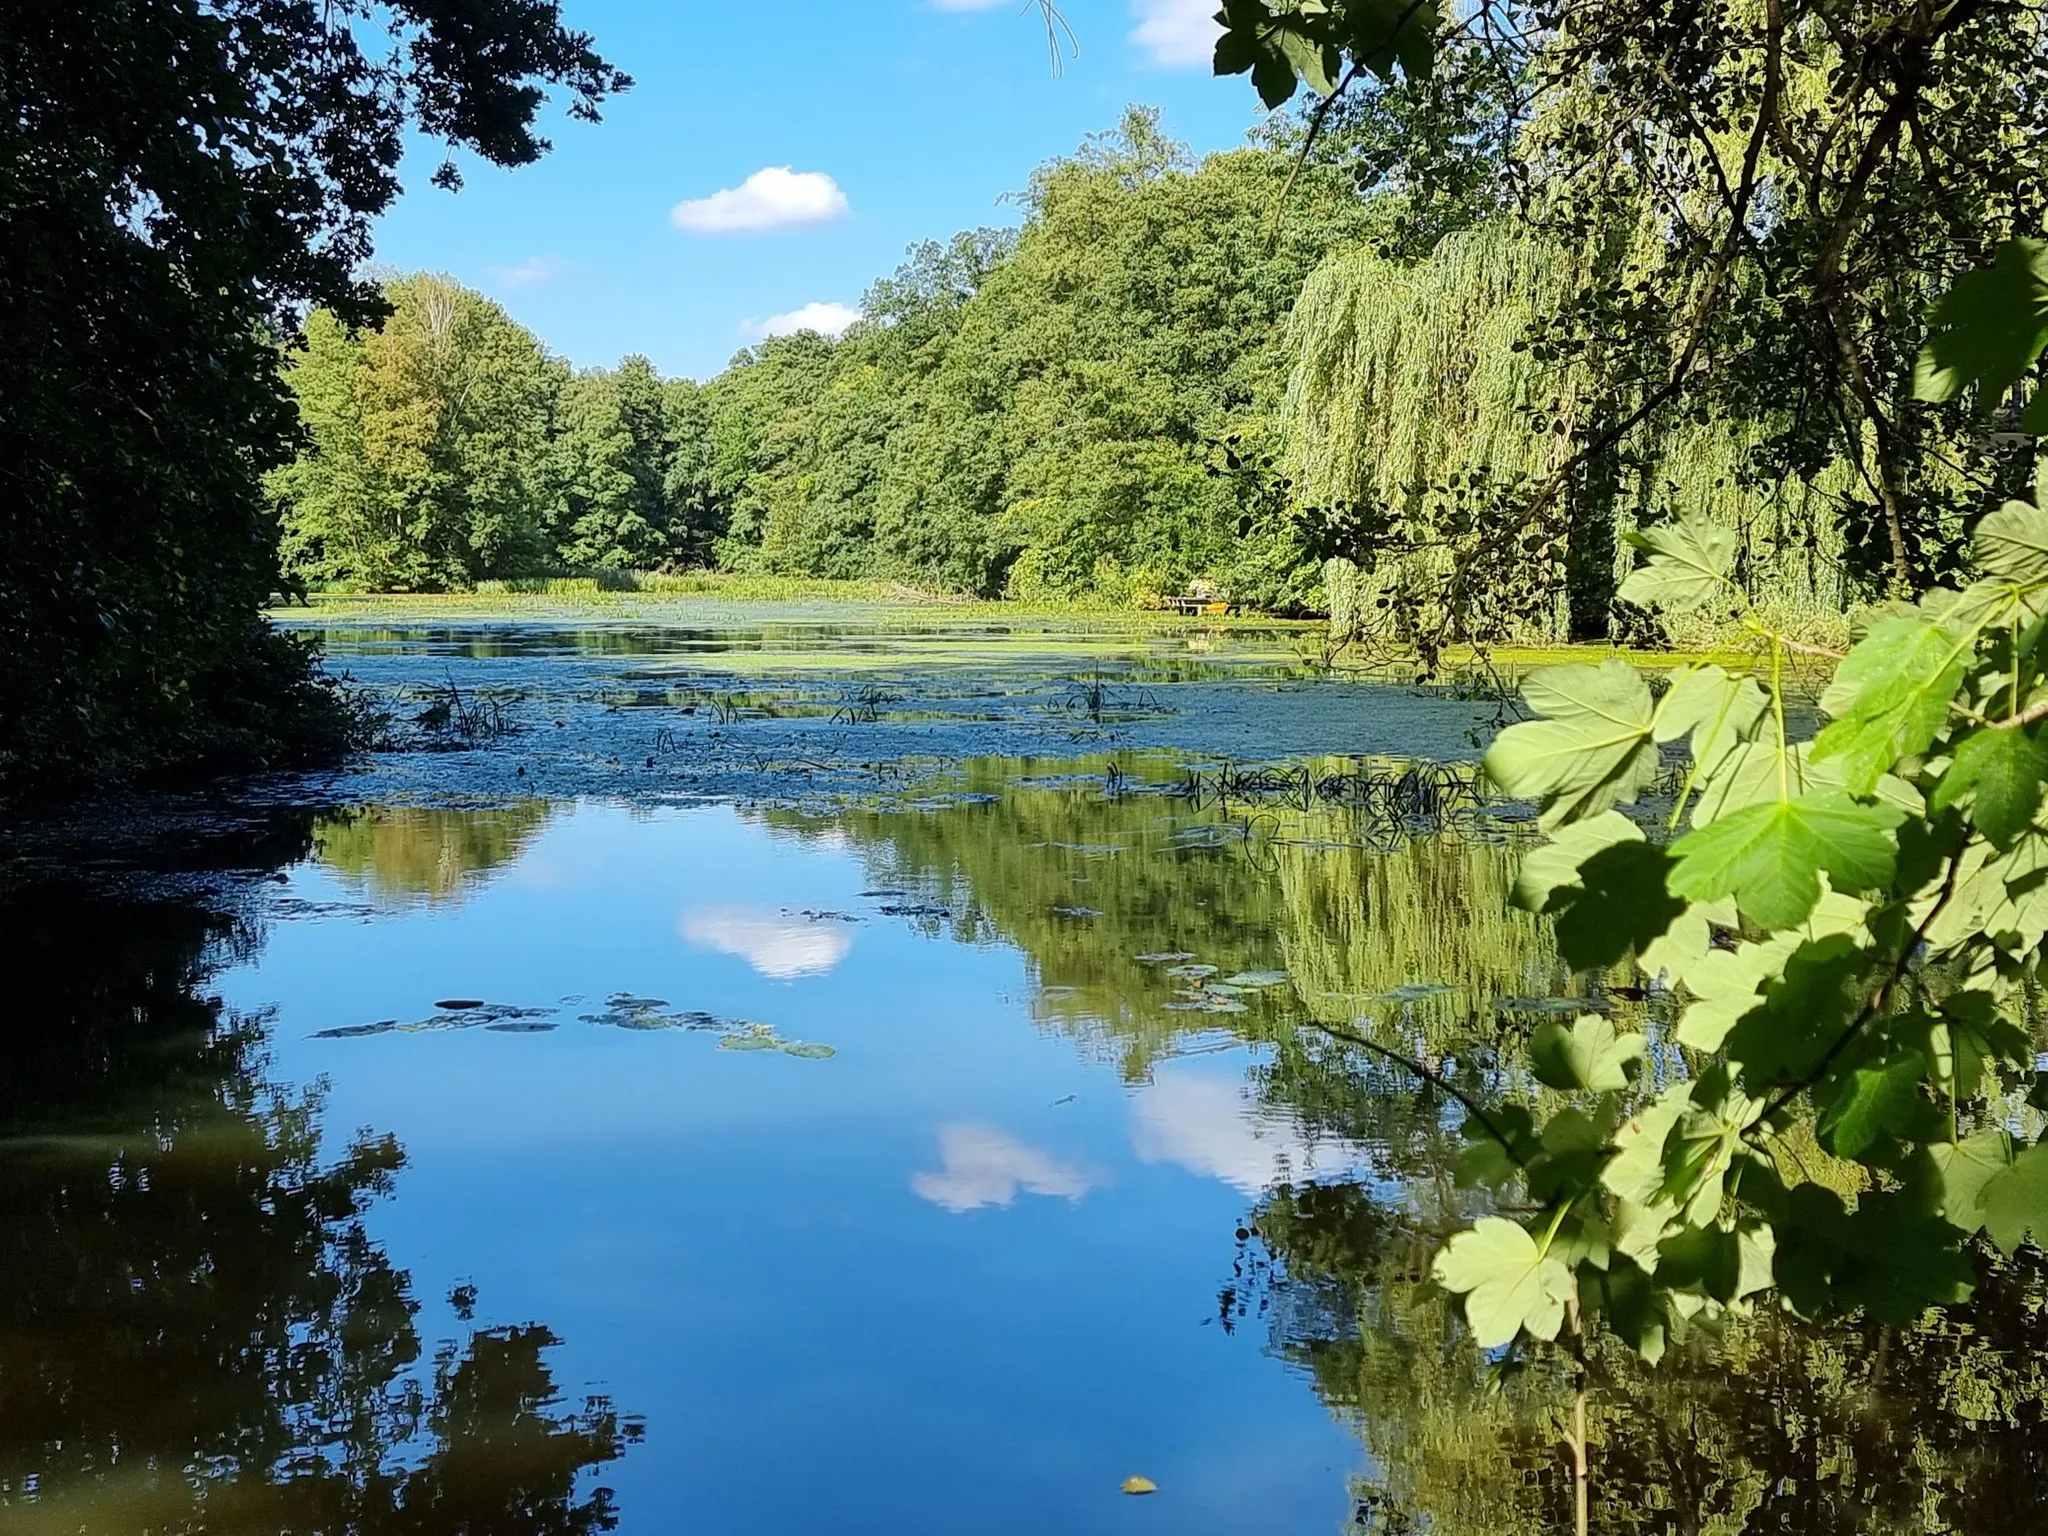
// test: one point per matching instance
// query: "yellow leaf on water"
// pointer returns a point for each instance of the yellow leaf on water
(1140, 1485)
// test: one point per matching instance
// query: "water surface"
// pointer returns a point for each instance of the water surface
(917, 1149)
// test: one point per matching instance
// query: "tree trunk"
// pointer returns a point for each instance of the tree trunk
(1590, 549)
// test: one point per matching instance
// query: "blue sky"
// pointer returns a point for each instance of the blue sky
(904, 120)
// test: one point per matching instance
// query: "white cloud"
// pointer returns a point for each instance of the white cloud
(1176, 33)
(1208, 1126)
(824, 318)
(774, 198)
(776, 945)
(980, 1165)
(530, 273)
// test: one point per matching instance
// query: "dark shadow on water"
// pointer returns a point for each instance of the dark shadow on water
(197, 1332)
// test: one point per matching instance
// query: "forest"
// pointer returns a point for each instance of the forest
(1398, 311)
(1175, 370)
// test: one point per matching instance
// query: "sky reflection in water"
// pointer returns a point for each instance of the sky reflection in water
(959, 1275)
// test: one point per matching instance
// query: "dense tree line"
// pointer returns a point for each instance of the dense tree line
(1453, 328)
(1066, 408)
(448, 447)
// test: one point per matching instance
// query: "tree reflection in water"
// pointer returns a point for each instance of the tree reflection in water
(197, 1332)
(1771, 1426)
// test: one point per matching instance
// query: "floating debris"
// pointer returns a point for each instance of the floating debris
(624, 1010)
(1078, 911)
(1164, 957)
(1205, 1002)
(459, 1004)
(469, 1015)
(912, 909)
(1140, 1485)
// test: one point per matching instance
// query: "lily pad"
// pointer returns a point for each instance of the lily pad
(1164, 957)
(1413, 992)
(1192, 972)
(810, 1050)
(1256, 979)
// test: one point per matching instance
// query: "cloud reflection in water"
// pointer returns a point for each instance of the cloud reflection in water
(981, 1165)
(778, 945)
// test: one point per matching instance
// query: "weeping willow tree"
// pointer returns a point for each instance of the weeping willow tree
(1416, 400)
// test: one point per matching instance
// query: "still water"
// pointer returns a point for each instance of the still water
(914, 1161)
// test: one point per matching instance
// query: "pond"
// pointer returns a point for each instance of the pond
(912, 1118)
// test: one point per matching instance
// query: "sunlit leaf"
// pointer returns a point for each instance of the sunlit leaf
(1719, 711)
(1621, 903)
(1889, 698)
(1585, 1056)
(2012, 543)
(1963, 1168)
(2000, 772)
(1689, 563)
(1636, 1171)
(2014, 1201)
(1770, 857)
(1592, 750)
(1550, 866)
(1510, 1286)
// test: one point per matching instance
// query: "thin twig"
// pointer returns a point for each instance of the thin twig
(1435, 1081)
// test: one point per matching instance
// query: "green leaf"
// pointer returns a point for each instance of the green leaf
(1871, 1104)
(1620, 904)
(1886, 1255)
(1769, 857)
(2015, 1201)
(1889, 698)
(1703, 1149)
(1510, 1286)
(1963, 1168)
(1726, 1264)
(1719, 710)
(2001, 772)
(1485, 1165)
(1812, 994)
(2012, 543)
(1989, 327)
(1681, 950)
(1636, 1171)
(1588, 1056)
(1552, 866)
(1386, 32)
(1592, 750)
(1689, 563)
(1633, 1306)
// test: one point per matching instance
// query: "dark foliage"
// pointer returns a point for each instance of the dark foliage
(179, 181)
